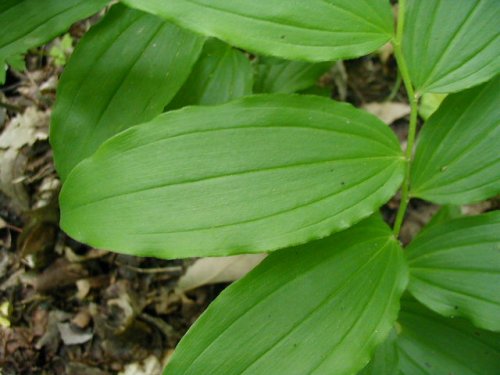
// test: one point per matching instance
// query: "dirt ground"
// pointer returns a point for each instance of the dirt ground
(66, 308)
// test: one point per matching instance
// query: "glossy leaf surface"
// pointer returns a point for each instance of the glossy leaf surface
(30, 23)
(313, 30)
(455, 269)
(430, 344)
(316, 309)
(282, 76)
(220, 75)
(257, 174)
(451, 45)
(123, 72)
(457, 159)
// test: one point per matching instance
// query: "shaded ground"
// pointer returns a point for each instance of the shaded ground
(66, 308)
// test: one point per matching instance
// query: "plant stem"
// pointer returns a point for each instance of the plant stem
(395, 89)
(413, 99)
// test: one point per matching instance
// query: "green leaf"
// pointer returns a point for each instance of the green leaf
(3, 72)
(385, 360)
(430, 344)
(321, 308)
(455, 269)
(451, 45)
(313, 30)
(61, 50)
(258, 174)
(17, 62)
(123, 72)
(276, 75)
(318, 91)
(30, 23)
(445, 214)
(457, 159)
(429, 104)
(220, 75)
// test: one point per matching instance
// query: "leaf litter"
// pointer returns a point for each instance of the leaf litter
(66, 308)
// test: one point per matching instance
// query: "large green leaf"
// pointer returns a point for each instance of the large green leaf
(276, 75)
(30, 23)
(451, 45)
(455, 269)
(123, 72)
(320, 308)
(445, 214)
(432, 345)
(220, 75)
(312, 30)
(385, 361)
(457, 159)
(258, 174)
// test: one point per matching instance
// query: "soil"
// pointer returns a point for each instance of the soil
(71, 309)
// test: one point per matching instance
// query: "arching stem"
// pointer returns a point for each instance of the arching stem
(413, 99)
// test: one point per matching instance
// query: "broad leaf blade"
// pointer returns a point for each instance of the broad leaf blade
(316, 309)
(220, 75)
(257, 174)
(282, 76)
(429, 104)
(452, 45)
(457, 159)
(313, 30)
(385, 361)
(123, 72)
(30, 23)
(455, 269)
(445, 214)
(430, 344)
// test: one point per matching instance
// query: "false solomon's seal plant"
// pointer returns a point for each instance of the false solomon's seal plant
(164, 151)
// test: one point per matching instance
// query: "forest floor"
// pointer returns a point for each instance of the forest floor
(66, 308)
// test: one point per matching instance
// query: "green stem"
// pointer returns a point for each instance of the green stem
(395, 89)
(413, 99)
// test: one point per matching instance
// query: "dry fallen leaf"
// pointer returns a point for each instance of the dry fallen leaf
(72, 335)
(150, 366)
(218, 270)
(23, 130)
(388, 112)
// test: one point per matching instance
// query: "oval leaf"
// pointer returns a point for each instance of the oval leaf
(457, 159)
(123, 72)
(220, 75)
(30, 23)
(429, 344)
(316, 309)
(455, 269)
(452, 45)
(258, 174)
(313, 30)
(276, 75)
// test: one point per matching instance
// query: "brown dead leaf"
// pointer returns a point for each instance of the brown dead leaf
(218, 270)
(22, 131)
(59, 274)
(388, 112)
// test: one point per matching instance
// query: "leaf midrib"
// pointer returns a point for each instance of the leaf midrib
(234, 174)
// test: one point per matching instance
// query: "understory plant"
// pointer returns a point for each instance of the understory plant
(170, 142)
